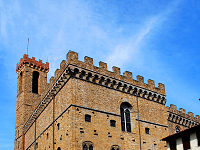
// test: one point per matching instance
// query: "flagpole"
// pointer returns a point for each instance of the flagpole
(27, 46)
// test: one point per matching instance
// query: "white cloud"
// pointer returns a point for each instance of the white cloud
(129, 51)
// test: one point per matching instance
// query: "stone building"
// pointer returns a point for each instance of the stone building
(85, 107)
(185, 139)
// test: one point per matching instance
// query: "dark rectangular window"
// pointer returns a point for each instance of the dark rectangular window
(172, 145)
(186, 142)
(198, 137)
(35, 82)
(147, 130)
(87, 118)
(112, 123)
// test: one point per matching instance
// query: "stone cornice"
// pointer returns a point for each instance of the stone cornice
(184, 121)
(116, 84)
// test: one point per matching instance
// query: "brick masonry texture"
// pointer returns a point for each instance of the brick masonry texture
(54, 117)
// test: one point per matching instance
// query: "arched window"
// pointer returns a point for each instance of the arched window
(125, 109)
(58, 148)
(35, 82)
(87, 145)
(115, 147)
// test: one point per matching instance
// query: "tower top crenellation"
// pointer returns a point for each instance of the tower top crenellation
(39, 65)
(181, 112)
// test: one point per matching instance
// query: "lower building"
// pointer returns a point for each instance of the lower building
(188, 139)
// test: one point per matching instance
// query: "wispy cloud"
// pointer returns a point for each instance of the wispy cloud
(131, 47)
(8, 12)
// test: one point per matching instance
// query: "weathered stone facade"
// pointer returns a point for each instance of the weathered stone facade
(89, 107)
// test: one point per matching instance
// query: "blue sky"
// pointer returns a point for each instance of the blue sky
(156, 39)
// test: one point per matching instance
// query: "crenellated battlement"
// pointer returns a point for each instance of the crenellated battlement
(72, 58)
(39, 65)
(101, 76)
(180, 117)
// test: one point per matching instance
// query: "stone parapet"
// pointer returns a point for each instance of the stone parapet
(72, 58)
(32, 63)
(180, 117)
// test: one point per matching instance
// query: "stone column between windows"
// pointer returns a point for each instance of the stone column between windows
(193, 140)
(179, 144)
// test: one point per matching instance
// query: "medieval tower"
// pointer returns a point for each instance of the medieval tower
(32, 79)
(85, 107)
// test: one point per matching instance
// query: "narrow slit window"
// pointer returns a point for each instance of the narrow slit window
(20, 82)
(58, 125)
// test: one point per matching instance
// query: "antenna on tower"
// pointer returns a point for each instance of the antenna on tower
(27, 46)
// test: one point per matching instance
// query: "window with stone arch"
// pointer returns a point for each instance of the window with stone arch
(115, 147)
(125, 110)
(87, 145)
